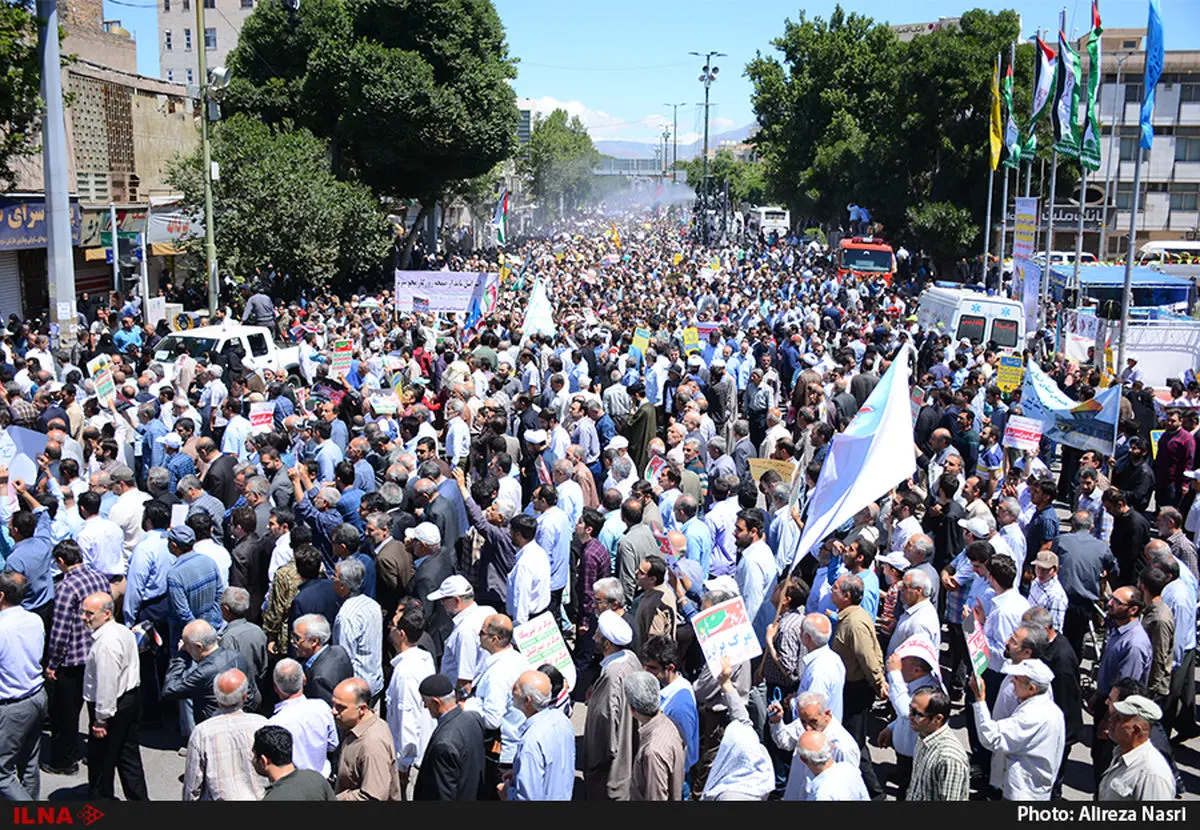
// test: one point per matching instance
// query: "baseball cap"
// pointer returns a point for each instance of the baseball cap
(425, 532)
(897, 560)
(452, 586)
(920, 648)
(182, 535)
(1033, 668)
(172, 439)
(122, 474)
(1046, 559)
(976, 526)
(1138, 706)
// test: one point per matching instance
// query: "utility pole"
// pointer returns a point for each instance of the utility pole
(666, 138)
(1118, 106)
(675, 140)
(60, 261)
(708, 74)
(210, 245)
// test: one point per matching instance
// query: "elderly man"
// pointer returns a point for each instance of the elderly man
(246, 638)
(832, 780)
(220, 764)
(608, 731)
(110, 687)
(1138, 772)
(659, 764)
(920, 615)
(197, 499)
(454, 758)
(823, 671)
(492, 695)
(912, 666)
(635, 546)
(367, 762)
(462, 654)
(309, 720)
(941, 769)
(856, 643)
(358, 626)
(326, 664)
(812, 713)
(1032, 737)
(544, 764)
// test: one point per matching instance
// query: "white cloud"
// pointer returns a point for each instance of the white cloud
(722, 124)
(603, 126)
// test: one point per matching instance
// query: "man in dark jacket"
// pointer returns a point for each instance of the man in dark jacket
(452, 769)
(1136, 478)
(432, 562)
(941, 522)
(325, 665)
(219, 479)
(316, 594)
(192, 671)
(251, 555)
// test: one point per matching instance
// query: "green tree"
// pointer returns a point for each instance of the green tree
(747, 179)
(942, 229)
(277, 201)
(412, 96)
(20, 95)
(848, 113)
(560, 162)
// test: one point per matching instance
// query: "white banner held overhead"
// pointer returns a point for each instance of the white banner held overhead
(438, 291)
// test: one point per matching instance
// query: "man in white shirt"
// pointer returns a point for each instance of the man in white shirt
(462, 656)
(491, 692)
(358, 626)
(529, 579)
(202, 524)
(458, 434)
(407, 718)
(126, 512)
(906, 523)
(1032, 737)
(237, 430)
(920, 617)
(111, 677)
(102, 540)
(279, 526)
(822, 669)
(1138, 772)
(812, 713)
(308, 719)
(832, 780)
(1002, 618)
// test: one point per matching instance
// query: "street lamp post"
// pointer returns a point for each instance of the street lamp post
(1118, 103)
(210, 245)
(675, 140)
(708, 74)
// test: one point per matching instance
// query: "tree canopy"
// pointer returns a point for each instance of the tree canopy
(277, 201)
(848, 113)
(560, 162)
(747, 179)
(20, 94)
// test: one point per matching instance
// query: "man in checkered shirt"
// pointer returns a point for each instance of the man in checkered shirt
(1046, 591)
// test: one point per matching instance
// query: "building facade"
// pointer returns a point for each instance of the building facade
(179, 36)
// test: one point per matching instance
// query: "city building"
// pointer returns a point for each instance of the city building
(178, 37)
(122, 129)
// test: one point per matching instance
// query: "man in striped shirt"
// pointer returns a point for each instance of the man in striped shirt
(1046, 591)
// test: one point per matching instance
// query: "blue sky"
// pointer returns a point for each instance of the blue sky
(618, 63)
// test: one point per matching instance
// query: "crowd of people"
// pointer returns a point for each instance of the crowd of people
(329, 606)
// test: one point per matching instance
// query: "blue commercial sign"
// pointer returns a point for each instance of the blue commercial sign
(23, 223)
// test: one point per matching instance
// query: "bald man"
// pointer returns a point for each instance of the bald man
(367, 765)
(544, 766)
(220, 764)
(492, 695)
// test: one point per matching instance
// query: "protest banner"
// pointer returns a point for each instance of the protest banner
(1028, 277)
(678, 258)
(1155, 436)
(342, 354)
(916, 400)
(977, 646)
(440, 291)
(1010, 372)
(385, 403)
(1090, 425)
(156, 309)
(706, 329)
(654, 467)
(724, 630)
(262, 416)
(541, 642)
(19, 449)
(1022, 433)
(691, 339)
(758, 466)
(1024, 227)
(641, 338)
(100, 371)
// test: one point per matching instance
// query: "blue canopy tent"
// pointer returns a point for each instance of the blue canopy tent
(1107, 282)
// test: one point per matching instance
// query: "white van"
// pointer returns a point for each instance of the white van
(972, 315)
(768, 220)
(1177, 250)
(1065, 258)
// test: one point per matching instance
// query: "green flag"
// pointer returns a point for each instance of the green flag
(1089, 151)
(1012, 134)
(1065, 112)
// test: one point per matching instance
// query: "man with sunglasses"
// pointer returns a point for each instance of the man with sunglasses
(941, 768)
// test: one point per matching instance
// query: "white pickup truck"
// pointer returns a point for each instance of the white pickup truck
(257, 344)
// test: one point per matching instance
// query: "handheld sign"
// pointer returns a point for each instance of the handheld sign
(1011, 372)
(641, 338)
(1022, 433)
(262, 416)
(691, 339)
(342, 352)
(724, 630)
(100, 370)
(976, 643)
(541, 642)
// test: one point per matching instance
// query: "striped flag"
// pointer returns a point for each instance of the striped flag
(1012, 133)
(1043, 86)
(1089, 149)
(1066, 101)
(500, 218)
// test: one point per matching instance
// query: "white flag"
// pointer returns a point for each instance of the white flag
(873, 455)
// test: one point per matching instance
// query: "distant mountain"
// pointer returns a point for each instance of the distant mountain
(645, 149)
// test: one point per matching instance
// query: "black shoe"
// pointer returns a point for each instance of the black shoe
(72, 769)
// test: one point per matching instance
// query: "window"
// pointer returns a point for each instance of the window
(247, 4)
(210, 4)
(1129, 148)
(190, 77)
(187, 5)
(258, 345)
(1185, 196)
(187, 40)
(166, 5)
(1124, 195)
(1133, 93)
(167, 39)
(171, 75)
(210, 39)
(1187, 148)
(1004, 333)
(971, 328)
(1129, 44)
(1189, 93)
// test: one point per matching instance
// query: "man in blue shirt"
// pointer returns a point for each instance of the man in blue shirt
(699, 536)
(544, 765)
(32, 552)
(127, 336)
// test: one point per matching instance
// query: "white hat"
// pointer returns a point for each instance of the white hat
(976, 526)
(171, 439)
(452, 586)
(920, 648)
(618, 442)
(718, 363)
(614, 629)
(1139, 706)
(426, 532)
(727, 584)
(535, 436)
(897, 560)
(1033, 668)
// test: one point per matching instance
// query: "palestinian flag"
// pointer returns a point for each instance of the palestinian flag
(1065, 113)
(1043, 86)
(1089, 150)
(1012, 133)
(500, 218)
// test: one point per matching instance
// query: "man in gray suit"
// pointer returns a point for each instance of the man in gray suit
(637, 543)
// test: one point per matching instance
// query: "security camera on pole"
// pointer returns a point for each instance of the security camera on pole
(708, 74)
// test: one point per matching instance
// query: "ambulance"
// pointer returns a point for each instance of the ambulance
(973, 316)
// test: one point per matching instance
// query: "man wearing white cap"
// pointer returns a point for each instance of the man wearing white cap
(432, 563)
(178, 464)
(462, 654)
(608, 731)
(912, 666)
(1032, 737)
(1138, 772)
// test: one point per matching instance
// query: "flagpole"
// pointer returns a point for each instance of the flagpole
(987, 225)
(1062, 22)
(1012, 57)
(1127, 292)
(1079, 226)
